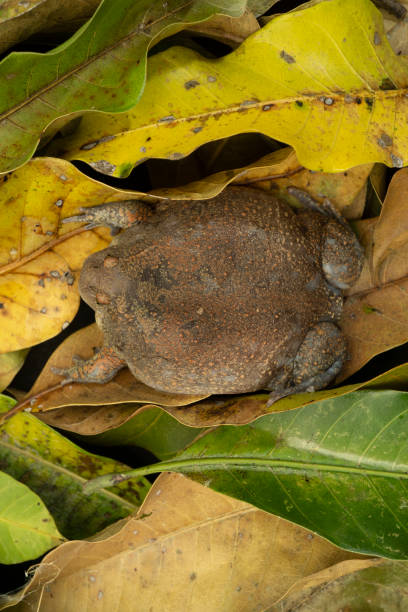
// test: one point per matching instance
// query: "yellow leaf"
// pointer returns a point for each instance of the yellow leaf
(39, 257)
(323, 79)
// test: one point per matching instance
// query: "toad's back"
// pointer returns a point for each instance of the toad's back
(214, 296)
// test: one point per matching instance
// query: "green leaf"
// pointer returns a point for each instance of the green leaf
(153, 429)
(338, 467)
(56, 469)
(101, 67)
(323, 79)
(27, 530)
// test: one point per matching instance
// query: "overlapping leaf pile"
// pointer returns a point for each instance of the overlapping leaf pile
(324, 80)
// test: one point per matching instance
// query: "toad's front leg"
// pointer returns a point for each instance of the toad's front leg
(116, 215)
(100, 368)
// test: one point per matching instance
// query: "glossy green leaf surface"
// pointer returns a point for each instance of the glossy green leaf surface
(338, 467)
(27, 529)
(56, 469)
(101, 67)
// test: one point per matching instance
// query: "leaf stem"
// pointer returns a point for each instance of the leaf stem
(246, 463)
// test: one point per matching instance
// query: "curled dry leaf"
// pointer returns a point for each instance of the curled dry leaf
(370, 586)
(19, 20)
(337, 112)
(228, 30)
(375, 312)
(188, 546)
(277, 171)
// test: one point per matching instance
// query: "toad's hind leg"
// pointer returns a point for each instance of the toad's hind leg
(318, 361)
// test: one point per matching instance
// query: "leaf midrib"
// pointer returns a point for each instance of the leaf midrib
(259, 464)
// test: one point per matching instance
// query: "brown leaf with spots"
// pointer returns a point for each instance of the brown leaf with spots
(189, 547)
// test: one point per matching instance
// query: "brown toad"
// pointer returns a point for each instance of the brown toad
(228, 295)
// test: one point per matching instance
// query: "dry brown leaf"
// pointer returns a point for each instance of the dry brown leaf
(188, 548)
(229, 30)
(298, 594)
(375, 316)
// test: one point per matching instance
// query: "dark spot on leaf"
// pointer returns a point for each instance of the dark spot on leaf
(358, 100)
(196, 129)
(387, 84)
(397, 162)
(191, 84)
(370, 309)
(287, 58)
(369, 102)
(193, 576)
(166, 119)
(377, 38)
(384, 140)
(1, 305)
(299, 103)
(345, 173)
(267, 107)
(148, 138)
(103, 166)
(41, 282)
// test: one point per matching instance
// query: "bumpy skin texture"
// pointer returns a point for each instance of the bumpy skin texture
(226, 295)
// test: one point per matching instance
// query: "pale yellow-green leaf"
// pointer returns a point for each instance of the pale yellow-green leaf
(10, 363)
(324, 80)
(27, 529)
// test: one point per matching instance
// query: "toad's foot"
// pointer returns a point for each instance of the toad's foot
(100, 368)
(116, 215)
(319, 359)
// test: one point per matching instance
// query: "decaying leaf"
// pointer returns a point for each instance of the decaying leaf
(189, 547)
(323, 79)
(56, 469)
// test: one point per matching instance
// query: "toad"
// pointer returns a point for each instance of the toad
(228, 295)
